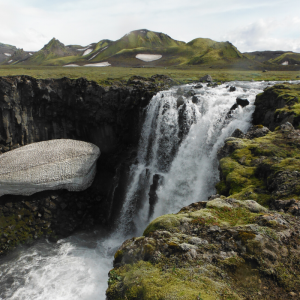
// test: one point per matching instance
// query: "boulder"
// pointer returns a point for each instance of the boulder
(198, 86)
(50, 165)
(232, 89)
(180, 92)
(195, 99)
(206, 78)
(242, 102)
(180, 101)
(189, 93)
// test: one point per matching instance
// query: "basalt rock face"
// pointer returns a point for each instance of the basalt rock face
(33, 110)
(220, 249)
(277, 105)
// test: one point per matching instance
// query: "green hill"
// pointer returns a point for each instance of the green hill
(123, 51)
(51, 51)
(290, 57)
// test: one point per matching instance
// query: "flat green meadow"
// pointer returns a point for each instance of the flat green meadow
(107, 75)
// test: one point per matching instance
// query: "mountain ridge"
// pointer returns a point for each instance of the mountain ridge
(127, 50)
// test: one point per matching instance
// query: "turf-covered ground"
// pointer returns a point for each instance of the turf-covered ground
(107, 75)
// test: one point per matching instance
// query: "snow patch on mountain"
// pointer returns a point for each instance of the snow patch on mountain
(148, 57)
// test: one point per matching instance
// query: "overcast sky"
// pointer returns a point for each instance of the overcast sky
(250, 25)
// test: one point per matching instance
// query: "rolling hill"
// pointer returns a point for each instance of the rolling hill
(275, 57)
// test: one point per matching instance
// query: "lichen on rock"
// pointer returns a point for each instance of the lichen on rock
(262, 168)
(220, 249)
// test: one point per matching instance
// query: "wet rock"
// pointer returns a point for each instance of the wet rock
(180, 91)
(242, 102)
(195, 99)
(206, 78)
(189, 93)
(238, 134)
(198, 86)
(213, 85)
(153, 198)
(275, 106)
(256, 131)
(180, 101)
(232, 89)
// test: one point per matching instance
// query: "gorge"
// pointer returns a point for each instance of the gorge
(158, 154)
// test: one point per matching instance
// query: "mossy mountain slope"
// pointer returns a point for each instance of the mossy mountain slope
(290, 57)
(123, 51)
(53, 50)
(6, 51)
(174, 52)
(274, 57)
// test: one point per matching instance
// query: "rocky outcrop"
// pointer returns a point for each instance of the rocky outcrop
(51, 165)
(206, 78)
(277, 105)
(220, 249)
(261, 165)
(33, 110)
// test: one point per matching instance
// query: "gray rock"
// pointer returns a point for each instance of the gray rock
(180, 101)
(287, 127)
(50, 165)
(180, 92)
(206, 78)
(198, 86)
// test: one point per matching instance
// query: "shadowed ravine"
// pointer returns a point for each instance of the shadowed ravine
(178, 148)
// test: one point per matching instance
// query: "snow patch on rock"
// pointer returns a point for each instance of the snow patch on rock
(50, 165)
(7, 54)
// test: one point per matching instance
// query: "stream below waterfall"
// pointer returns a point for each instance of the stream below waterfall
(178, 147)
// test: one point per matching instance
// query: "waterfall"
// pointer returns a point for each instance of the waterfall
(176, 165)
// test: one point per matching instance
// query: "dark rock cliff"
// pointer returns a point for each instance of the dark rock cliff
(277, 105)
(33, 110)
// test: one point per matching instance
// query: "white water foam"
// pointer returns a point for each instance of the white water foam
(76, 268)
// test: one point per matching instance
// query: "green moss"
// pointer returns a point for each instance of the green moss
(144, 281)
(250, 168)
(165, 222)
(245, 236)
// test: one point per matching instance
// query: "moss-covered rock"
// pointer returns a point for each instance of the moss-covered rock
(220, 249)
(263, 168)
(278, 104)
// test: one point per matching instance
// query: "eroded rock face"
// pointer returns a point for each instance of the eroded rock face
(261, 165)
(277, 105)
(50, 165)
(208, 247)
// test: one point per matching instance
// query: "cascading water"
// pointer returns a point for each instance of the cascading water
(178, 145)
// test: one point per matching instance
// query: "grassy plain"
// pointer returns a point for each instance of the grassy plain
(107, 75)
